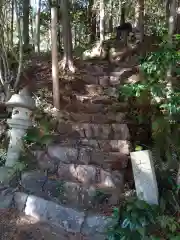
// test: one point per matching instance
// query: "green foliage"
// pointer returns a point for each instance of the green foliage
(154, 67)
(39, 135)
(165, 101)
(100, 196)
(169, 192)
(137, 220)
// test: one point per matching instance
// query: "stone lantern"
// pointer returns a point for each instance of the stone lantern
(22, 106)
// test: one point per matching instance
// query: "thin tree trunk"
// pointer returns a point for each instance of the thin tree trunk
(67, 37)
(123, 14)
(111, 17)
(167, 6)
(177, 29)
(59, 31)
(102, 22)
(12, 22)
(91, 22)
(20, 66)
(32, 30)
(26, 4)
(37, 35)
(141, 19)
(55, 73)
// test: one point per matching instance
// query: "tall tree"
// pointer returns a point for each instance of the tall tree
(177, 30)
(37, 28)
(55, 73)
(67, 61)
(110, 25)
(26, 7)
(12, 22)
(139, 18)
(102, 20)
(91, 21)
(123, 13)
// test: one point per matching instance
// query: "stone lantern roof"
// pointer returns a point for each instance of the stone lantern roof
(23, 99)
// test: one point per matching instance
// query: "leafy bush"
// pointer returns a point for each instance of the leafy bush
(137, 220)
(164, 102)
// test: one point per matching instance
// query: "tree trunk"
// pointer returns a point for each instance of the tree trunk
(123, 14)
(102, 21)
(67, 37)
(32, 30)
(55, 73)
(167, 6)
(91, 22)
(177, 29)
(59, 31)
(172, 20)
(111, 17)
(139, 12)
(37, 28)
(20, 34)
(26, 4)
(12, 22)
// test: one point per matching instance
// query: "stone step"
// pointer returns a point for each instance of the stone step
(94, 131)
(80, 195)
(98, 118)
(56, 154)
(104, 99)
(89, 175)
(112, 78)
(96, 90)
(122, 146)
(92, 226)
(78, 106)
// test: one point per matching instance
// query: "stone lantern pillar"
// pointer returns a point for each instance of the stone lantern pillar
(22, 106)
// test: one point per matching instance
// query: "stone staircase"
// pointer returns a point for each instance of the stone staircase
(85, 167)
(81, 175)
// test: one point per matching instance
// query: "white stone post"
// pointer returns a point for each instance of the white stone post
(144, 176)
(22, 105)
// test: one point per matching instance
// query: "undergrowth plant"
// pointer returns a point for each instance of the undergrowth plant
(137, 220)
(164, 102)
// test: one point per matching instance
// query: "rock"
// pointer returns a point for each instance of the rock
(64, 154)
(43, 210)
(85, 174)
(45, 162)
(84, 155)
(97, 237)
(121, 146)
(36, 207)
(89, 174)
(121, 131)
(20, 200)
(79, 195)
(6, 201)
(67, 218)
(96, 224)
(33, 182)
